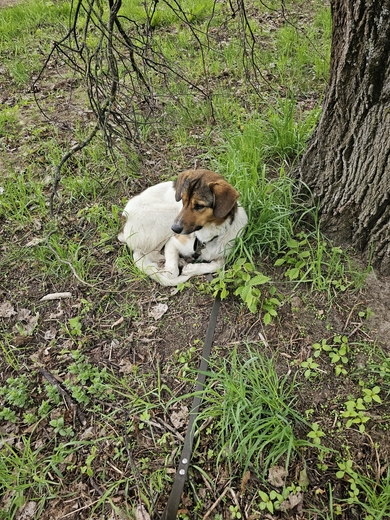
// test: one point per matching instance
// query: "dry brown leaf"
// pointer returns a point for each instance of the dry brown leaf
(276, 476)
(28, 511)
(141, 513)
(179, 417)
(126, 367)
(304, 481)
(29, 322)
(35, 242)
(6, 310)
(21, 341)
(158, 311)
(293, 500)
(58, 314)
(245, 480)
(87, 434)
(50, 334)
(23, 315)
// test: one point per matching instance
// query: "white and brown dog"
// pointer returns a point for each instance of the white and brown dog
(195, 218)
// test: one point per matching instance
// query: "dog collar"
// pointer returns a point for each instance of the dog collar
(199, 245)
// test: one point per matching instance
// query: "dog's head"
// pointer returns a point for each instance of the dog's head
(207, 198)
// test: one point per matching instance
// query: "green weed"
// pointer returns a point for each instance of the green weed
(60, 428)
(379, 368)
(311, 368)
(10, 354)
(372, 496)
(23, 199)
(61, 256)
(316, 433)
(355, 413)
(288, 130)
(26, 474)
(315, 261)
(244, 281)
(338, 352)
(268, 199)
(87, 381)
(17, 391)
(270, 501)
(252, 410)
(371, 395)
(8, 120)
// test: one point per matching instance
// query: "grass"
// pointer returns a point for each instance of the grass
(23, 197)
(20, 27)
(25, 473)
(253, 411)
(273, 399)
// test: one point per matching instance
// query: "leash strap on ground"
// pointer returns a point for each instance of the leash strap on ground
(182, 470)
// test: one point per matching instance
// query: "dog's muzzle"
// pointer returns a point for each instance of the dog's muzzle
(177, 228)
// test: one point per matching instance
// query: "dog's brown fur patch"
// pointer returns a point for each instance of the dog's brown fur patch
(206, 198)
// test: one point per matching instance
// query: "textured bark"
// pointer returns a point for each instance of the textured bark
(347, 163)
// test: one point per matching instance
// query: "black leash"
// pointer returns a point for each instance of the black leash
(172, 506)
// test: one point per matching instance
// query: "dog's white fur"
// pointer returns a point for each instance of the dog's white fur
(149, 217)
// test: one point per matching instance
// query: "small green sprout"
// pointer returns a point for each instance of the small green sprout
(235, 512)
(144, 418)
(59, 427)
(87, 468)
(75, 326)
(271, 501)
(310, 366)
(355, 413)
(372, 394)
(316, 433)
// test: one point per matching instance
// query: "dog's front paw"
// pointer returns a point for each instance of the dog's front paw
(190, 269)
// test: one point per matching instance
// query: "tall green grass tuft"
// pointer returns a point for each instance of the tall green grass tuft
(253, 411)
(25, 474)
(288, 130)
(254, 159)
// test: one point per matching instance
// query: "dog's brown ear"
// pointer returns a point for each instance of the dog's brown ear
(225, 197)
(179, 184)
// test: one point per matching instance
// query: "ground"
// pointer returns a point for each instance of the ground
(8, 3)
(113, 329)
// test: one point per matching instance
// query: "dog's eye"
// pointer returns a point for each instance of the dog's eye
(198, 207)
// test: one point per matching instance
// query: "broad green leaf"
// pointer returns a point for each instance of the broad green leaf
(267, 318)
(259, 279)
(293, 273)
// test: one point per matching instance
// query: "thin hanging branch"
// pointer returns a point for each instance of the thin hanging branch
(66, 157)
(129, 79)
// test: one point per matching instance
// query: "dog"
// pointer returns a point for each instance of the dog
(183, 228)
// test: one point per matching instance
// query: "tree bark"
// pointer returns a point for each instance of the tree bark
(347, 163)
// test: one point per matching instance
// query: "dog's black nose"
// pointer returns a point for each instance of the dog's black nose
(177, 228)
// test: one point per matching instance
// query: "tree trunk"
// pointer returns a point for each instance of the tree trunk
(347, 163)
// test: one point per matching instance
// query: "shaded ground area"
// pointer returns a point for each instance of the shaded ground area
(8, 3)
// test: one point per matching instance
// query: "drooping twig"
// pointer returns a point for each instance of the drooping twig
(130, 78)
(68, 155)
